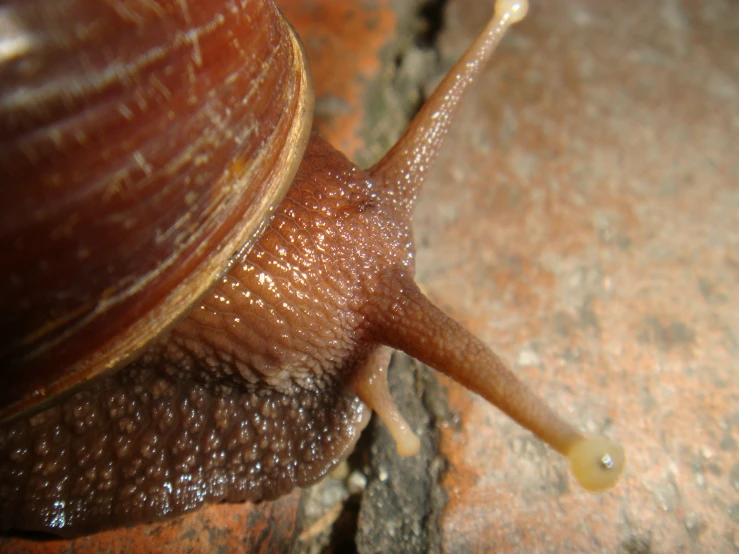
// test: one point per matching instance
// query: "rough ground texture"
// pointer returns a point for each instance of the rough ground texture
(584, 221)
(403, 502)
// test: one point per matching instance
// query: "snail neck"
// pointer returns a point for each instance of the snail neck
(294, 300)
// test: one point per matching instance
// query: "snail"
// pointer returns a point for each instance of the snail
(201, 295)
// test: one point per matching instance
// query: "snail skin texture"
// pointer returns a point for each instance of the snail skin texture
(267, 381)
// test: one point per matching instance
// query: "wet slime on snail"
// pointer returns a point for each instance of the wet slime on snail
(255, 390)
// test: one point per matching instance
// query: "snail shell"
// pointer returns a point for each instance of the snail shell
(133, 169)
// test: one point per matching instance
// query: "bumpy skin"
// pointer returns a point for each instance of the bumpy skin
(248, 397)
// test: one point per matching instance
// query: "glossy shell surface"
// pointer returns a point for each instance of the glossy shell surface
(141, 146)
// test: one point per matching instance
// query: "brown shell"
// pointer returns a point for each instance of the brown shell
(142, 144)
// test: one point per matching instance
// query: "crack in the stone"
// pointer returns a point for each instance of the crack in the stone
(434, 400)
(432, 14)
(410, 64)
(404, 500)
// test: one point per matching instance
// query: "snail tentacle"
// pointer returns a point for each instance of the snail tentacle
(372, 387)
(404, 167)
(412, 323)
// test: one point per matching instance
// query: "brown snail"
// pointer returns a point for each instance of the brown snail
(198, 291)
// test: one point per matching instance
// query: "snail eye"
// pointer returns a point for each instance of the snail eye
(597, 463)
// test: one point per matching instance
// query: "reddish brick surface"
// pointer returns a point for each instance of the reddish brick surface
(585, 223)
(343, 41)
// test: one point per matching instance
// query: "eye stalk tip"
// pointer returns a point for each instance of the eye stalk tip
(597, 463)
(513, 10)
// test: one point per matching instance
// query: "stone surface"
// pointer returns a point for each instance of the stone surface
(402, 504)
(345, 43)
(584, 222)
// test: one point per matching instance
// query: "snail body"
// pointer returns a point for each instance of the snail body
(251, 371)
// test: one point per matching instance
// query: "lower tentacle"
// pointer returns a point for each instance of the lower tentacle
(372, 387)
